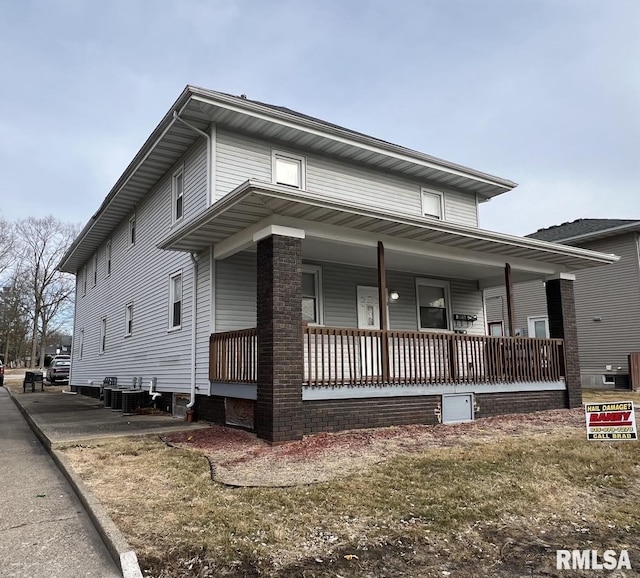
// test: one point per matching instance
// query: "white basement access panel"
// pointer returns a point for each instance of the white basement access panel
(457, 408)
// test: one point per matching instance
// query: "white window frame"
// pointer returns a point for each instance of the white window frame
(316, 271)
(172, 301)
(491, 324)
(422, 281)
(128, 319)
(133, 231)
(177, 195)
(300, 160)
(108, 251)
(81, 344)
(95, 269)
(83, 280)
(531, 325)
(439, 196)
(102, 347)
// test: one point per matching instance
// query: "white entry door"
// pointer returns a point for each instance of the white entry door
(369, 318)
(368, 308)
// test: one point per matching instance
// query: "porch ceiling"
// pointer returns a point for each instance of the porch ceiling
(412, 243)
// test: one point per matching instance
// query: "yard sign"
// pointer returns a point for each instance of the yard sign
(611, 421)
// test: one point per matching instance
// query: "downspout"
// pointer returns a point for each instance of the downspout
(194, 260)
(194, 318)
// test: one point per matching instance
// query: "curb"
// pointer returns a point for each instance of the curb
(117, 545)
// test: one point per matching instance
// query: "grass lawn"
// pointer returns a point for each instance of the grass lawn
(497, 507)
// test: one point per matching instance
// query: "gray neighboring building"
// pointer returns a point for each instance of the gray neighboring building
(607, 299)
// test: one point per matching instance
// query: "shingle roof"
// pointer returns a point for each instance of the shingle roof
(579, 227)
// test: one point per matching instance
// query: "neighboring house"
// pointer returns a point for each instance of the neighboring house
(266, 268)
(607, 299)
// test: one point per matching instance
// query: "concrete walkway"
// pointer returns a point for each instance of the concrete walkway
(44, 530)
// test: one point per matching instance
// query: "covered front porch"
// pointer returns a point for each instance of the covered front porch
(355, 361)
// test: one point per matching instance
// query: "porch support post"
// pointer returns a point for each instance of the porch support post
(384, 313)
(511, 313)
(278, 413)
(562, 325)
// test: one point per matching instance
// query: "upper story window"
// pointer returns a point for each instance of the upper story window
(175, 301)
(432, 204)
(107, 258)
(95, 269)
(132, 231)
(433, 300)
(128, 319)
(288, 169)
(83, 280)
(312, 294)
(177, 194)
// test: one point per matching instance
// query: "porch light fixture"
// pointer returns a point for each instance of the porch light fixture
(394, 295)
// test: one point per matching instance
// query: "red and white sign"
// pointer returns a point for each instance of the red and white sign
(615, 421)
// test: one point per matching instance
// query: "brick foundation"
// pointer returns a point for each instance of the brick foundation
(492, 404)
(210, 409)
(340, 414)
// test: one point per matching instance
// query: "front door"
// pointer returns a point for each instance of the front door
(369, 318)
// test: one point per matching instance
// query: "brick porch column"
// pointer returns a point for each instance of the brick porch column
(562, 324)
(278, 413)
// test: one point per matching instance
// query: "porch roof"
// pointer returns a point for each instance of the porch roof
(230, 223)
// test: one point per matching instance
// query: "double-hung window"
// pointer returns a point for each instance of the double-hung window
(132, 231)
(103, 335)
(312, 294)
(175, 301)
(95, 269)
(83, 280)
(288, 169)
(81, 345)
(107, 258)
(128, 319)
(433, 299)
(432, 204)
(177, 194)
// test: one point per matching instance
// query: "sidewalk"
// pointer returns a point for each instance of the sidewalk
(51, 525)
(44, 530)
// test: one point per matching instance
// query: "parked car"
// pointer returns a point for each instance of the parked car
(1, 373)
(58, 370)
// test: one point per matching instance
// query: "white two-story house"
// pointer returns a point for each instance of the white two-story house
(264, 268)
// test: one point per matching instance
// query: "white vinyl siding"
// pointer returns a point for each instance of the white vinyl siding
(142, 276)
(236, 295)
(239, 158)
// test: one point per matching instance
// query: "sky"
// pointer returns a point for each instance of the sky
(542, 92)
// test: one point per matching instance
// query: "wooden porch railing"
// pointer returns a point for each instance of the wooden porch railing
(341, 356)
(233, 356)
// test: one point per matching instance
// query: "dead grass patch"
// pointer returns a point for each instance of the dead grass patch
(489, 504)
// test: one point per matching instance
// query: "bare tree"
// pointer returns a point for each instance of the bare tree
(44, 241)
(7, 245)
